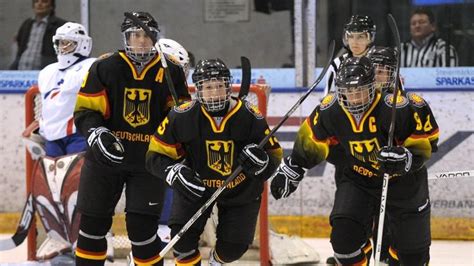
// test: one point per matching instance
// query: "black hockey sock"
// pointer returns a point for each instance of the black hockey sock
(91, 243)
(192, 257)
(145, 242)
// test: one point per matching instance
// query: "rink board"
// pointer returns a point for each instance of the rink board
(305, 212)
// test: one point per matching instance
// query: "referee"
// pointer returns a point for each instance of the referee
(425, 49)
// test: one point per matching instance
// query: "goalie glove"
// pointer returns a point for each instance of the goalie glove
(185, 180)
(105, 146)
(395, 161)
(286, 179)
(254, 160)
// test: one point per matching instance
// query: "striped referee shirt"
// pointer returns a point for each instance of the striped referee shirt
(431, 53)
(331, 73)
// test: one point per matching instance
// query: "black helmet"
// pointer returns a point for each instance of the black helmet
(386, 56)
(384, 60)
(145, 17)
(355, 78)
(139, 54)
(209, 70)
(355, 71)
(359, 23)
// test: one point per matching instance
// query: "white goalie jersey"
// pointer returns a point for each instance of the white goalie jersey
(58, 96)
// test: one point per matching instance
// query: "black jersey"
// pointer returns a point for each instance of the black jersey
(212, 145)
(129, 103)
(361, 138)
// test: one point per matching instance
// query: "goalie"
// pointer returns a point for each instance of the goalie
(57, 148)
(357, 117)
(196, 147)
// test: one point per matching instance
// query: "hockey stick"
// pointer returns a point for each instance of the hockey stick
(148, 32)
(383, 200)
(246, 77)
(23, 227)
(234, 174)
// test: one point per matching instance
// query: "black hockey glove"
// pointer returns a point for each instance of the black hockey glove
(105, 146)
(286, 178)
(253, 159)
(395, 161)
(185, 181)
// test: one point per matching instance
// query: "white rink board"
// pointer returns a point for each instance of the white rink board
(454, 112)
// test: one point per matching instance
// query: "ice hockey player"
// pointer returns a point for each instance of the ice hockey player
(55, 174)
(358, 37)
(195, 163)
(121, 103)
(59, 84)
(357, 117)
(384, 60)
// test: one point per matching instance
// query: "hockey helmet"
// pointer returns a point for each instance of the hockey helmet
(359, 24)
(384, 60)
(139, 52)
(176, 53)
(355, 84)
(213, 81)
(71, 42)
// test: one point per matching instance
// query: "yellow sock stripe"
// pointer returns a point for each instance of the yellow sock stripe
(89, 255)
(189, 262)
(216, 257)
(393, 253)
(367, 248)
(363, 262)
(150, 261)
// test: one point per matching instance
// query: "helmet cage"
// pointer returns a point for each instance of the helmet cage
(138, 54)
(77, 36)
(384, 77)
(209, 93)
(356, 99)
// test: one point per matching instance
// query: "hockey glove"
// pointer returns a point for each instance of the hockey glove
(185, 181)
(286, 178)
(395, 161)
(105, 146)
(253, 159)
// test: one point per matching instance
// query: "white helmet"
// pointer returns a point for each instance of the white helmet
(176, 53)
(80, 44)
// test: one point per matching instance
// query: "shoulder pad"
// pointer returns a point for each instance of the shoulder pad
(415, 99)
(184, 107)
(327, 101)
(253, 109)
(401, 100)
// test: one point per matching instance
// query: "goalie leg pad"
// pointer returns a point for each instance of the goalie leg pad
(44, 202)
(91, 244)
(145, 241)
(227, 252)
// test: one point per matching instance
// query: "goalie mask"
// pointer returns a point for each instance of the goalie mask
(212, 79)
(138, 46)
(355, 88)
(176, 53)
(71, 43)
(384, 60)
(358, 34)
